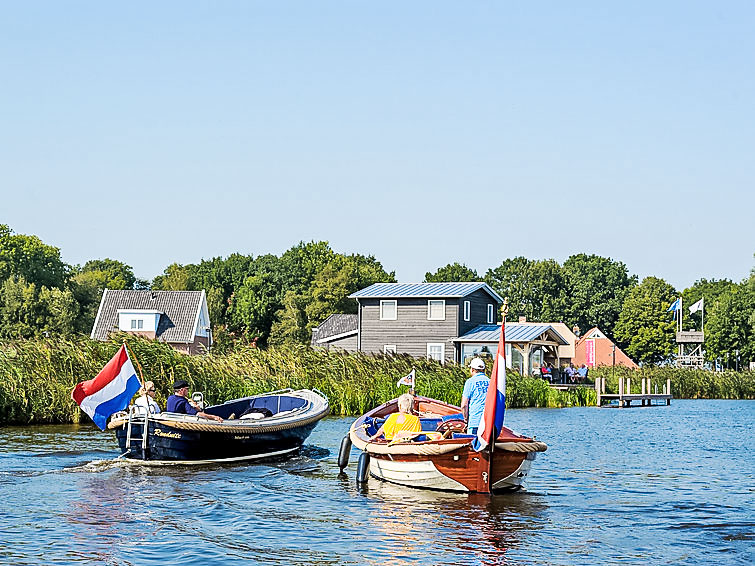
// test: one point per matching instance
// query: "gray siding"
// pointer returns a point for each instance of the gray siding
(411, 331)
(348, 344)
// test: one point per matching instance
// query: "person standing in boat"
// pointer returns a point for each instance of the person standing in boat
(180, 403)
(473, 395)
(403, 420)
(146, 399)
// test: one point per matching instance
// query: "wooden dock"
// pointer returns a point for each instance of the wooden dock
(625, 397)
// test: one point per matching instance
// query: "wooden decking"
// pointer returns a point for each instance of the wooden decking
(625, 397)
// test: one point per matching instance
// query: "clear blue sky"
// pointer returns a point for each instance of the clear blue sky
(422, 133)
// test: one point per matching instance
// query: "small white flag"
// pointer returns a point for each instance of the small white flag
(407, 379)
(697, 306)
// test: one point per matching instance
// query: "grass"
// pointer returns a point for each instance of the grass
(37, 376)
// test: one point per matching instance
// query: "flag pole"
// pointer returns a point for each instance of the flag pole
(414, 380)
(138, 365)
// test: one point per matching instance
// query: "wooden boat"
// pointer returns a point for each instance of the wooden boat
(262, 426)
(441, 457)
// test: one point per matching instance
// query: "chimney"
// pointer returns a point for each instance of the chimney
(522, 319)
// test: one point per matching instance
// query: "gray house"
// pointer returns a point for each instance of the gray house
(419, 319)
(179, 318)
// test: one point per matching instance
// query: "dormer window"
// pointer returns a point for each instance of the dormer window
(137, 324)
(138, 320)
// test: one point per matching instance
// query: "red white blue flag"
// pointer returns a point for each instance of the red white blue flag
(495, 401)
(110, 391)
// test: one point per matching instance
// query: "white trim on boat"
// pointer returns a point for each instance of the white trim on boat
(139, 462)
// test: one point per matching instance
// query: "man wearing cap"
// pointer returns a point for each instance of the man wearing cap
(473, 396)
(179, 403)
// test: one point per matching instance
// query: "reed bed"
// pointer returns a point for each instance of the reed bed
(37, 376)
(685, 383)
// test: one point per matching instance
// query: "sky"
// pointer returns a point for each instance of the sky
(422, 133)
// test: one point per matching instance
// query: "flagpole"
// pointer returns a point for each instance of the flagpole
(138, 365)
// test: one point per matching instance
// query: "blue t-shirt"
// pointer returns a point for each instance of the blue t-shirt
(178, 404)
(475, 389)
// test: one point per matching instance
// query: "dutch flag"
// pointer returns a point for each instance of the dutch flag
(495, 401)
(110, 391)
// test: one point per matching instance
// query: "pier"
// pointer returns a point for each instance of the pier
(625, 397)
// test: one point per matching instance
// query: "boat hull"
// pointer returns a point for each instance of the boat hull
(463, 471)
(269, 425)
(169, 443)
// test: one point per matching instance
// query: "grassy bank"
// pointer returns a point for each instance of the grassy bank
(36, 377)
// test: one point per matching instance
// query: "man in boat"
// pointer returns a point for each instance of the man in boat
(473, 395)
(180, 403)
(403, 420)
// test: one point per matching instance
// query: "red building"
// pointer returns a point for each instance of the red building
(596, 349)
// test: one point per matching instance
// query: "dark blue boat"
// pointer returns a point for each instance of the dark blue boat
(262, 426)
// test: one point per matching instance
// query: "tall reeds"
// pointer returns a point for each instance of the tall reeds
(37, 376)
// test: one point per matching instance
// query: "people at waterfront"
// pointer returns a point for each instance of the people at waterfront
(180, 403)
(571, 372)
(404, 420)
(582, 372)
(473, 395)
(145, 402)
(545, 371)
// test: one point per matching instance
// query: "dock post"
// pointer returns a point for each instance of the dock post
(668, 389)
(597, 389)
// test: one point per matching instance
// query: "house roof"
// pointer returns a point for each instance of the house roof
(515, 332)
(606, 352)
(407, 290)
(180, 311)
(335, 326)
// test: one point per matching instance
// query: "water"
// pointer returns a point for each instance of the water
(661, 485)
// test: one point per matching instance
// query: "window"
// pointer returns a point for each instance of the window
(389, 349)
(491, 320)
(137, 324)
(133, 324)
(467, 308)
(436, 310)
(388, 310)
(436, 352)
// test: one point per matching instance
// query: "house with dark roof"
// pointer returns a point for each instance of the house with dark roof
(179, 318)
(337, 331)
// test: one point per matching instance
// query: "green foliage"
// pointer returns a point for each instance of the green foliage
(28, 310)
(536, 289)
(685, 383)
(451, 273)
(28, 258)
(597, 289)
(645, 328)
(730, 323)
(87, 284)
(37, 376)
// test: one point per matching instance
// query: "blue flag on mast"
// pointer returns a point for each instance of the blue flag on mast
(676, 305)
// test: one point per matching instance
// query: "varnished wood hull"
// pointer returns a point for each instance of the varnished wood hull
(449, 464)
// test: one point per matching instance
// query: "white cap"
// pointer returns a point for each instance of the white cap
(477, 363)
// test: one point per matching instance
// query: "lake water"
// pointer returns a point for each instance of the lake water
(660, 485)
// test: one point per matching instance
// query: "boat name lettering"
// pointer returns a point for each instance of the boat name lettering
(241, 436)
(159, 432)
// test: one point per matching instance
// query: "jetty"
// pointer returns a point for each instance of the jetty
(625, 397)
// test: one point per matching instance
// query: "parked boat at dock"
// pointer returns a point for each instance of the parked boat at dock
(441, 457)
(261, 426)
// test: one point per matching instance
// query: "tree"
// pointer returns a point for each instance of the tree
(27, 310)
(645, 328)
(730, 324)
(597, 287)
(535, 288)
(452, 272)
(710, 291)
(29, 258)
(175, 277)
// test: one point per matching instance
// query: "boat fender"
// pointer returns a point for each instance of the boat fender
(363, 468)
(344, 452)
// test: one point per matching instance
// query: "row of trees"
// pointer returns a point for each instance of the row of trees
(273, 299)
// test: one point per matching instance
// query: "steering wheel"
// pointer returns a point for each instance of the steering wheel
(449, 427)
